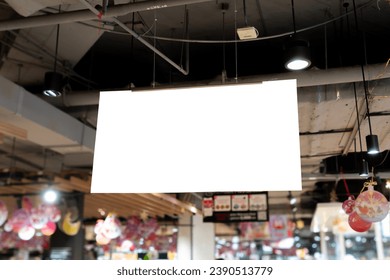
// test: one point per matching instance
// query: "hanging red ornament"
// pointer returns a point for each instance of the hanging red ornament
(49, 228)
(357, 223)
(371, 205)
(349, 204)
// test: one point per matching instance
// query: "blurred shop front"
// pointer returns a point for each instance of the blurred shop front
(233, 226)
(326, 236)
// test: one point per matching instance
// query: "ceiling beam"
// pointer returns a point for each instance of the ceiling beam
(87, 15)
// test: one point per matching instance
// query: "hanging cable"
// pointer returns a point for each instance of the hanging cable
(346, 5)
(362, 69)
(326, 46)
(131, 71)
(224, 8)
(223, 45)
(187, 45)
(293, 16)
(363, 168)
(345, 182)
(154, 53)
(57, 40)
(357, 117)
(245, 17)
(235, 40)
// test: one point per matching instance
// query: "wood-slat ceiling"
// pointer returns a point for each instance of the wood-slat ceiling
(124, 205)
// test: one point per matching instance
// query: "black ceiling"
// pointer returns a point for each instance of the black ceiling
(118, 59)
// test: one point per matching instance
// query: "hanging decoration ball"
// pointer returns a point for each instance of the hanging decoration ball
(8, 227)
(26, 233)
(371, 205)
(357, 223)
(349, 204)
(98, 226)
(111, 226)
(38, 217)
(102, 240)
(70, 227)
(52, 212)
(3, 213)
(49, 228)
(127, 245)
(19, 219)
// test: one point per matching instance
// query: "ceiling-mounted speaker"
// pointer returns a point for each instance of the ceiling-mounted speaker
(248, 32)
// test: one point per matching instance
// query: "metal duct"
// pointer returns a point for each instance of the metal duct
(45, 125)
(85, 15)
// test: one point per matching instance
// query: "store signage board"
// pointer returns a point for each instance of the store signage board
(203, 139)
(235, 207)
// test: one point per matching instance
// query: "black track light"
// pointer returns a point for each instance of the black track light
(364, 170)
(53, 84)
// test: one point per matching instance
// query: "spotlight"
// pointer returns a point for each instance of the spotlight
(364, 169)
(372, 144)
(53, 84)
(50, 196)
(297, 55)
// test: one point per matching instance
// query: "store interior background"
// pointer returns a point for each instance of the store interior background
(49, 141)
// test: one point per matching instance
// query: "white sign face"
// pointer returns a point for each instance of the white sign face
(207, 139)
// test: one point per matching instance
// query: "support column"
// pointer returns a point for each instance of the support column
(324, 249)
(195, 239)
(203, 239)
(184, 238)
(341, 246)
(379, 241)
(65, 246)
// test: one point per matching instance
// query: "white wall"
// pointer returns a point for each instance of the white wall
(195, 239)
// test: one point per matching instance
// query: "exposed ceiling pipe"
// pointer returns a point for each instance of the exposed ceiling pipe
(135, 35)
(318, 177)
(85, 15)
(304, 79)
(316, 77)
